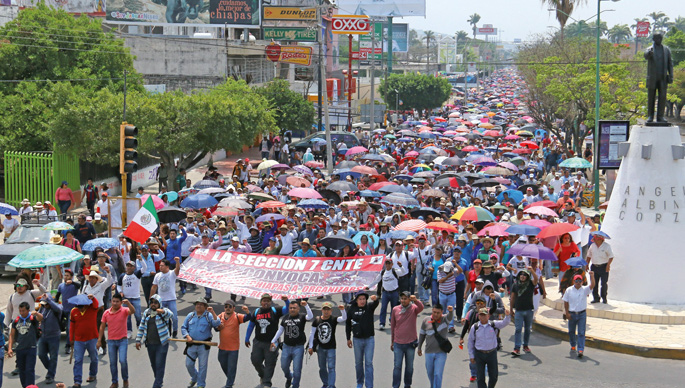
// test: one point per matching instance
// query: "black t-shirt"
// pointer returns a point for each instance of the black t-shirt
(325, 332)
(27, 330)
(293, 327)
(152, 332)
(266, 322)
(84, 232)
(524, 301)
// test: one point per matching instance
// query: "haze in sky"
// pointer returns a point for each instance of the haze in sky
(521, 19)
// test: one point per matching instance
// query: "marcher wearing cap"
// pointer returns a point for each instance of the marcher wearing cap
(198, 326)
(322, 338)
(600, 256)
(403, 337)
(157, 346)
(359, 325)
(483, 346)
(522, 307)
(575, 304)
(229, 340)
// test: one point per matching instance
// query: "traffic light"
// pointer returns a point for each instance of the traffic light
(128, 156)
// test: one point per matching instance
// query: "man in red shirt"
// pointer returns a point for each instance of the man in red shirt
(83, 332)
(403, 335)
(117, 342)
(229, 341)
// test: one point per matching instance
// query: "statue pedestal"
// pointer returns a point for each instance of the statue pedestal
(646, 220)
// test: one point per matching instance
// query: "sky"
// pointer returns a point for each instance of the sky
(522, 19)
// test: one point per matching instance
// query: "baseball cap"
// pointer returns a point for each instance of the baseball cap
(327, 305)
(484, 311)
(98, 216)
(235, 238)
(577, 277)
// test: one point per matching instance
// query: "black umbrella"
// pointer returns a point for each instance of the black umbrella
(331, 196)
(470, 175)
(473, 136)
(485, 182)
(392, 189)
(171, 214)
(423, 212)
(417, 180)
(337, 243)
(524, 188)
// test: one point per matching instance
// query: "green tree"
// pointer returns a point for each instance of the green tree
(563, 10)
(679, 23)
(291, 111)
(619, 33)
(462, 36)
(676, 90)
(473, 21)
(417, 91)
(659, 21)
(429, 36)
(580, 30)
(675, 40)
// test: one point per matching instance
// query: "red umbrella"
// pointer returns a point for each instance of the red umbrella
(411, 154)
(530, 145)
(297, 181)
(549, 204)
(557, 230)
(492, 132)
(411, 225)
(522, 151)
(378, 185)
(441, 225)
(470, 149)
(541, 211)
(302, 192)
(270, 204)
(365, 170)
(225, 212)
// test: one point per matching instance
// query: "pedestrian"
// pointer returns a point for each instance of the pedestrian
(521, 307)
(447, 286)
(9, 225)
(293, 342)
(422, 256)
(145, 262)
(266, 317)
(67, 289)
(389, 288)
(128, 286)
(162, 177)
(164, 284)
(153, 331)
(575, 304)
(83, 230)
(114, 319)
(97, 286)
(403, 337)
(431, 328)
(400, 259)
(483, 346)
(64, 198)
(322, 341)
(83, 333)
(229, 341)
(48, 344)
(198, 325)
(469, 319)
(360, 325)
(600, 256)
(435, 263)
(23, 340)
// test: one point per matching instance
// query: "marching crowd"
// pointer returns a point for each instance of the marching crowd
(471, 211)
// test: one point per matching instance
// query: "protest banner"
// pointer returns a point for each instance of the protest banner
(252, 274)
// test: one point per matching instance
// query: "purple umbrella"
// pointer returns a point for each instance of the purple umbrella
(532, 250)
(280, 167)
(303, 169)
(485, 161)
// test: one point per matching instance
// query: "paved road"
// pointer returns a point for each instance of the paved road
(548, 366)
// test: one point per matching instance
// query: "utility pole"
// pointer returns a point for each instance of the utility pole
(324, 87)
(373, 78)
(389, 45)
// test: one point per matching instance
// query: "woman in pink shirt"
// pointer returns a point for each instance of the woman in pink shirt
(64, 197)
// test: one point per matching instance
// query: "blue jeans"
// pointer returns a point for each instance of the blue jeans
(577, 320)
(79, 350)
(435, 291)
(118, 349)
(199, 353)
(326, 366)
(435, 366)
(403, 352)
(48, 349)
(157, 355)
(228, 359)
(208, 293)
(522, 320)
(363, 361)
(171, 305)
(412, 283)
(137, 314)
(486, 363)
(449, 300)
(294, 354)
(392, 297)
(26, 363)
(423, 293)
(63, 206)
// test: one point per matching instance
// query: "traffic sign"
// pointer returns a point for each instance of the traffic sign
(351, 24)
(357, 55)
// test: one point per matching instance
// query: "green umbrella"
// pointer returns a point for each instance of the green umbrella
(392, 137)
(498, 206)
(44, 256)
(57, 225)
(575, 163)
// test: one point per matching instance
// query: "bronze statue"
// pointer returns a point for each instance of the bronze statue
(659, 75)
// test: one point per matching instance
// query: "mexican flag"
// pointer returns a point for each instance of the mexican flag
(144, 223)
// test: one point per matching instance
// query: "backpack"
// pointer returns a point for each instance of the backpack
(478, 325)
(379, 289)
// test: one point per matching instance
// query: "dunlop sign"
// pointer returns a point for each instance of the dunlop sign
(289, 13)
(351, 24)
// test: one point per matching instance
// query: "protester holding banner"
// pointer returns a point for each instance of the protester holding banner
(360, 325)
(293, 342)
(198, 326)
(322, 340)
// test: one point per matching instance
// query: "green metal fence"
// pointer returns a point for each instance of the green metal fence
(37, 175)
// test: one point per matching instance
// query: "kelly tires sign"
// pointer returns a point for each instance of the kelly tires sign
(293, 34)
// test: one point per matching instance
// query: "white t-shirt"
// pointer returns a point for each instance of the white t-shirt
(103, 209)
(9, 225)
(518, 265)
(166, 285)
(125, 253)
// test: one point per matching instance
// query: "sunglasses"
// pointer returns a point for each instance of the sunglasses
(20, 285)
(228, 306)
(578, 280)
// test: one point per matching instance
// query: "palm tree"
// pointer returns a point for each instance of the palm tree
(473, 20)
(462, 35)
(564, 9)
(679, 23)
(603, 28)
(619, 33)
(656, 16)
(430, 37)
(579, 30)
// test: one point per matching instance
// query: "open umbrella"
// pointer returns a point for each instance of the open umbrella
(485, 182)
(401, 234)
(303, 192)
(331, 196)
(297, 181)
(514, 195)
(541, 211)
(523, 229)
(346, 164)
(576, 262)
(392, 189)
(433, 193)
(494, 230)
(269, 216)
(337, 243)
(356, 150)
(171, 214)
(342, 186)
(313, 204)
(411, 225)
(80, 300)
(542, 224)
(314, 164)
(8, 209)
(370, 194)
(188, 191)
(365, 170)
(199, 201)
(498, 171)
(373, 238)
(453, 182)
(261, 196)
(304, 170)
(547, 204)
(400, 201)
(270, 204)
(159, 204)
(266, 164)
(473, 213)
(237, 203)
(171, 196)
(280, 166)
(57, 225)
(441, 225)
(575, 163)
(378, 185)
(101, 242)
(557, 230)
(424, 212)
(203, 184)
(532, 250)
(226, 212)
(44, 256)
(212, 190)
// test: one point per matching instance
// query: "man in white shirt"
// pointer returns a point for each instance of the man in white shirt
(575, 304)
(287, 239)
(26, 207)
(421, 257)
(601, 256)
(557, 183)
(9, 225)
(400, 262)
(102, 206)
(164, 284)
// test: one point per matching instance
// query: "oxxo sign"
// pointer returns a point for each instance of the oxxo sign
(351, 24)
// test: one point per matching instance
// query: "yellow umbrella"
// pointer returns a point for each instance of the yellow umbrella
(486, 125)
(524, 133)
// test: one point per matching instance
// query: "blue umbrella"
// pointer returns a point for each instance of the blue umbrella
(403, 176)
(510, 155)
(600, 234)
(575, 163)
(45, 255)
(392, 189)
(576, 262)
(8, 209)
(370, 193)
(199, 201)
(170, 195)
(268, 216)
(515, 195)
(373, 238)
(532, 250)
(343, 172)
(401, 234)
(102, 242)
(526, 230)
(80, 300)
(313, 204)
(205, 184)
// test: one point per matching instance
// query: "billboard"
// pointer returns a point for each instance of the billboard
(295, 34)
(486, 31)
(400, 38)
(298, 55)
(351, 24)
(611, 133)
(90, 7)
(289, 13)
(642, 29)
(217, 13)
(385, 8)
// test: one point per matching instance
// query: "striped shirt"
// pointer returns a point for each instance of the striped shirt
(162, 326)
(448, 286)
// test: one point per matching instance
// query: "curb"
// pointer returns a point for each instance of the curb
(612, 346)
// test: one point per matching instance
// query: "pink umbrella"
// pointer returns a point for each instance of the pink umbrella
(365, 170)
(541, 211)
(411, 225)
(297, 181)
(501, 180)
(411, 154)
(159, 204)
(494, 230)
(461, 138)
(314, 164)
(542, 224)
(512, 137)
(509, 165)
(484, 120)
(302, 192)
(450, 133)
(356, 150)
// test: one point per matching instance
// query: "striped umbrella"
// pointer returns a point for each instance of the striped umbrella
(44, 256)
(473, 213)
(270, 204)
(411, 225)
(575, 163)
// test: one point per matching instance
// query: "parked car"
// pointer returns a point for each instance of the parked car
(350, 139)
(24, 237)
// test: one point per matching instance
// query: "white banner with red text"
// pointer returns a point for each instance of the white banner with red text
(253, 274)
